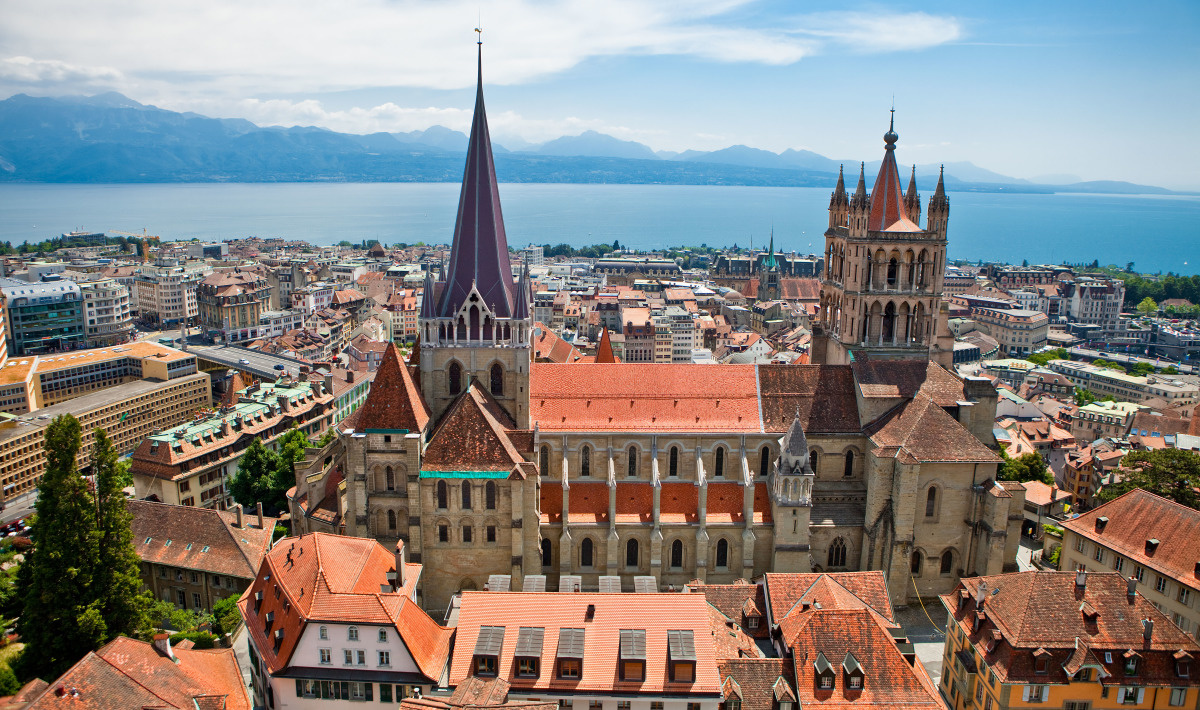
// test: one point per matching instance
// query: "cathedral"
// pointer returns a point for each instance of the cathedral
(607, 475)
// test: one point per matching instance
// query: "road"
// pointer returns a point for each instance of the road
(19, 507)
(925, 629)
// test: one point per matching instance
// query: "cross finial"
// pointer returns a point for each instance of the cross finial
(478, 35)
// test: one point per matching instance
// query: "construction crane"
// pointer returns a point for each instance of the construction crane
(143, 242)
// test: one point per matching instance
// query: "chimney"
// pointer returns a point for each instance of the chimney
(284, 402)
(980, 594)
(1147, 629)
(238, 510)
(329, 384)
(1132, 590)
(350, 375)
(591, 612)
(401, 559)
(1081, 580)
(260, 515)
(162, 644)
(316, 387)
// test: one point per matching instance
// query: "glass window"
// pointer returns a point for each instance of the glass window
(352, 633)
(326, 656)
(383, 636)
(385, 658)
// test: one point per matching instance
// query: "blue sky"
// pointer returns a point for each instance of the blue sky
(1102, 90)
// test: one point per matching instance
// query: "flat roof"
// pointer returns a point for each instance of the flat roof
(140, 350)
(17, 369)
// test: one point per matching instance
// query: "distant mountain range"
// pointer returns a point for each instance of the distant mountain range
(112, 138)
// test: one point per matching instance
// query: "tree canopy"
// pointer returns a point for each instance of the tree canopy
(1044, 358)
(1147, 307)
(1170, 473)
(1027, 467)
(264, 476)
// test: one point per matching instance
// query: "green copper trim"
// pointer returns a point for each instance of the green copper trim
(465, 474)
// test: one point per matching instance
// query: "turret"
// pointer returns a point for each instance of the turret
(939, 208)
(912, 200)
(860, 205)
(839, 203)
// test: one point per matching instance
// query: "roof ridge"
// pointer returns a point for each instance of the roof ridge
(120, 670)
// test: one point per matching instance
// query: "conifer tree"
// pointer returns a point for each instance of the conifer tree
(59, 622)
(117, 584)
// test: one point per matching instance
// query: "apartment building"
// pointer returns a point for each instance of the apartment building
(1077, 640)
(108, 319)
(1094, 301)
(1103, 381)
(128, 414)
(1103, 419)
(1019, 331)
(231, 303)
(58, 378)
(1148, 539)
(166, 292)
(42, 316)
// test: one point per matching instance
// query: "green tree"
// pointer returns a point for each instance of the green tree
(226, 616)
(117, 584)
(1083, 396)
(256, 470)
(1027, 467)
(1170, 370)
(60, 622)
(1141, 369)
(1147, 307)
(1170, 473)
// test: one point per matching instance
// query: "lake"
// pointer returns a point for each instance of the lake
(1156, 233)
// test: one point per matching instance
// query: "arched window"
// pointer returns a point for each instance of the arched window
(677, 554)
(947, 561)
(455, 378)
(352, 633)
(915, 565)
(722, 553)
(891, 274)
(497, 380)
(673, 468)
(719, 462)
(544, 461)
(812, 460)
(931, 502)
(764, 461)
(442, 495)
(631, 553)
(837, 553)
(391, 520)
(466, 495)
(585, 552)
(633, 462)
(546, 553)
(462, 328)
(391, 479)
(489, 495)
(849, 470)
(585, 461)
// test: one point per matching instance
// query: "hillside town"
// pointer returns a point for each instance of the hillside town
(471, 475)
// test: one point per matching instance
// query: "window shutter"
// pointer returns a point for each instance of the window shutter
(1025, 694)
(299, 688)
(1141, 692)
(1120, 695)
(1045, 693)
(369, 687)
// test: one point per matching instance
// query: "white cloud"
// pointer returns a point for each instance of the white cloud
(873, 32)
(27, 70)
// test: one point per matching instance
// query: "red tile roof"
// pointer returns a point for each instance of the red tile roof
(755, 680)
(785, 591)
(473, 435)
(920, 430)
(904, 378)
(395, 401)
(654, 613)
(734, 601)
(199, 538)
(823, 395)
(1139, 516)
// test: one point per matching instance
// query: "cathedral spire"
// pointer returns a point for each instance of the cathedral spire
(479, 256)
(912, 200)
(604, 351)
(887, 195)
(940, 192)
(861, 190)
(840, 190)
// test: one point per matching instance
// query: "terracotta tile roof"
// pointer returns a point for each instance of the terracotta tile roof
(551, 502)
(643, 397)
(1047, 610)
(729, 639)
(473, 435)
(754, 680)
(800, 289)
(823, 394)
(132, 674)
(920, 430)
(395, 401)
(1039, 493)
(589, 502)
(547, 346)
(604, 351)
(733, 601)
(679, 503)
(784, 591)
(888, 682)
(320, 577)
(725, 503)
(653, 613)
(199, 538)
(1139, 516)
(904, 378)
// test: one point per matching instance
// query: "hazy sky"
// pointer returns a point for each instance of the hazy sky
(1102, 90)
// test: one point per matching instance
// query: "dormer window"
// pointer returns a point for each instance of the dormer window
(1131, 663)
(487, 650)
(529, 650)
(681, 656)
(570, 653)
(853, 672)
(824, 672)
(1041, 661)
(1183, 668)
(633, 654)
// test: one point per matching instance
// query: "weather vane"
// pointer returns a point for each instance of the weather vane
(478, 35)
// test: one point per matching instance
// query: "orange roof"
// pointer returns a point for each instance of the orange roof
(604, 351)
(394, 402)
(473, 435)
(644, 397)
(786, 591)
(656, 614)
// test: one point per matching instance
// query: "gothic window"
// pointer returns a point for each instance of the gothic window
(764, 461)
(719, 462)
(474, 313)
(585, 461)
(462, 328)
(673, 469)
(546, 553)
(931, 502)
(631, 554)
(722, 553)
(947, 561)
(891, 274)
(585, 553)
(497, 380)
(489, 494)
(633, 462)
(677, 554)
(391, 520)
(849, 471)
(455, 378)
(915, 565)
(544, 461)
(812, 460)
(837, 553)
(466, 495)
(442, 495)
(391, 479)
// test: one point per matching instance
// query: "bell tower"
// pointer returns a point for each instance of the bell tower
(476, 324)
(791, 486)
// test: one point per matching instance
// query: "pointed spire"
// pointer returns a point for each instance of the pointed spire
(414, 357)
(394, 402)
(427, 297)
(861, 190)
(480, 251)
(887, 194)
(770, 262)
(940, 192)
(604, 351)
(841, 184)
(912, 184)
(521, 307)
